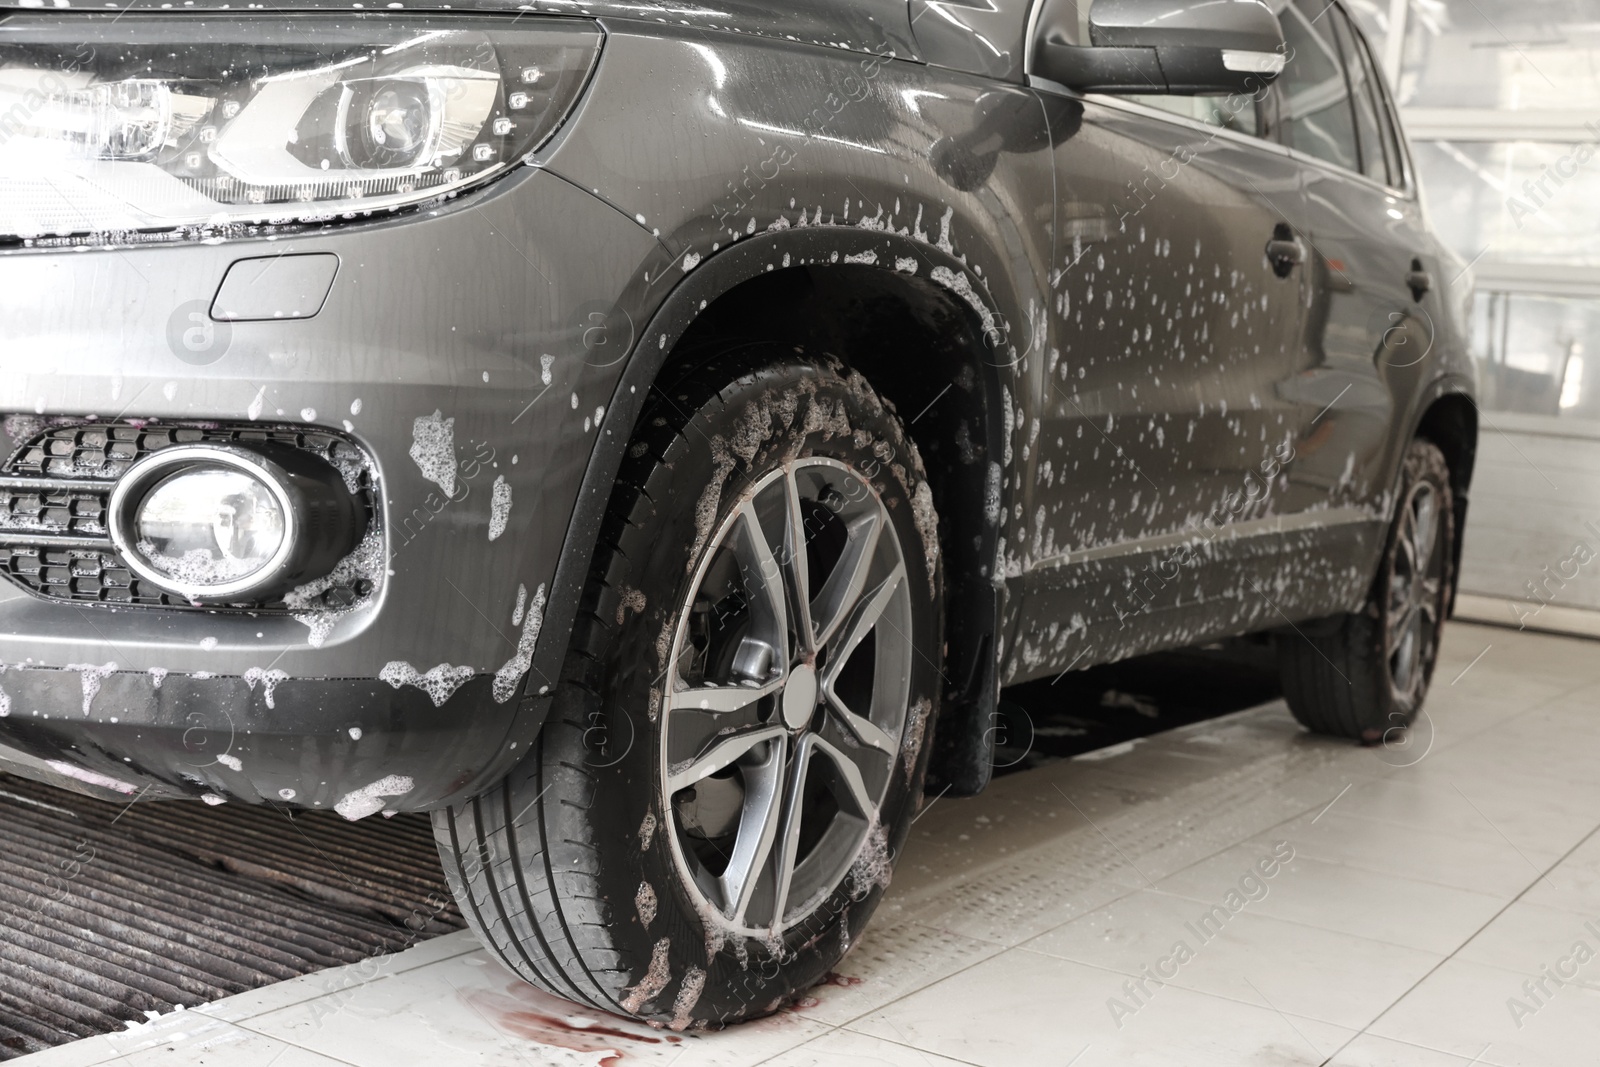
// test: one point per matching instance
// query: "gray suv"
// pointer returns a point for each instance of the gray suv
(649, 440)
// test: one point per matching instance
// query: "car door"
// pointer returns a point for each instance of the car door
(1167, 403)
(1370, 331)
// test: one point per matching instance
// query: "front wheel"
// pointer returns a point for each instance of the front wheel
(1364, 675)
(737, 743)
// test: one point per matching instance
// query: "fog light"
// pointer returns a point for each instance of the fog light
(207, 526)
(224, 522)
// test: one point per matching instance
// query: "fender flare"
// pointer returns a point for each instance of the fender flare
(964, 751)
(1449, 384)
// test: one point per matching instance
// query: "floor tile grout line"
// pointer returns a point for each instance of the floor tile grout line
(1335, 930)
(1258, 1006)
(1540, 706)
(1501, 723)
(1453, 835)
(1137, 889)
(1408, 878)
(297, 1045)
(1043, 865)
(1328, 930)
(1004, 948)
(1477, 1061)
(201, 1010)
(230, 1024)
(1288, 775)
(1357, 1031)
(477, 946)
(1109, 971)
(1454, 953)
(903, 1043)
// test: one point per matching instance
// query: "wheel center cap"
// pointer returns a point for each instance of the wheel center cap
(800, 696)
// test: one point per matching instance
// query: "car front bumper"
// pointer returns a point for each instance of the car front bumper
(483, 312)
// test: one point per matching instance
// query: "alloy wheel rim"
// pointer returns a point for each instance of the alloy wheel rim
(1414, 606)
(786, 697)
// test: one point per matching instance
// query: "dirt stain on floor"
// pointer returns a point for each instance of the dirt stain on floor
(528, 1013)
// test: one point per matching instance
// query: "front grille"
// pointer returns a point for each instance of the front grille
(55, 486)
(65, 510)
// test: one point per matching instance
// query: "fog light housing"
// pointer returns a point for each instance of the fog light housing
(228, 523)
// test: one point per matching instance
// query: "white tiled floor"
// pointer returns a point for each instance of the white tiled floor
(1428, 883)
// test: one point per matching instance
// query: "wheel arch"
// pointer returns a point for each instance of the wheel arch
(925, 332)
(1449, 418)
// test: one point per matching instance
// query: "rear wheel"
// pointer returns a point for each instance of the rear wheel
(1364, 675)
(736, 749)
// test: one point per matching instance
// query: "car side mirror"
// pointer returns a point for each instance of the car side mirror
(1188, 47)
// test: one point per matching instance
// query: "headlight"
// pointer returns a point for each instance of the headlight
(113, 123)
(229, 523)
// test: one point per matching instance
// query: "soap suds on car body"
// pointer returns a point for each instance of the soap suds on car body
(433, 448)
(369, 799)
(92, 676)
(499, 507)
(507, 678)
(440, 683)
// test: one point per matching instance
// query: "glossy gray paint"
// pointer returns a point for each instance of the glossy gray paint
(861, 25)
(987, 37)
(703, 158)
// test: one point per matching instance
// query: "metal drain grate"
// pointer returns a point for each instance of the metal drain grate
(108, 912)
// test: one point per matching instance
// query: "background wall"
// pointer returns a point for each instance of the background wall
(1501, 99)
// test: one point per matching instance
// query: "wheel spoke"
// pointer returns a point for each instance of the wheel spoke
(1411, 651)
(794, 550)
(850, 774)
(764, 579)
(789, 839)
(721, 699)
(844, 586)
(1428, 600)
(1399, 595)
(1424, 531)
(1406, 540)
(719, 755)
(1406, 558)
(1400, 625)
(865, 730)
(758, 827)
(866, 616)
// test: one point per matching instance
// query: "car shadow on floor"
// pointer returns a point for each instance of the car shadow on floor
(1081, 711)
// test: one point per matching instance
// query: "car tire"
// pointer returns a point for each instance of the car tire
(632, 862)
(1364, 675)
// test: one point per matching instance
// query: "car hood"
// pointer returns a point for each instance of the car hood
(880, 26)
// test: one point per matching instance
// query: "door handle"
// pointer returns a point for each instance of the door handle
(1418, 280)
(1284, 250)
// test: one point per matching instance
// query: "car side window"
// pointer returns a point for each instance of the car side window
(1374, 152)
(1317, 117)
(1393, 155)
(1239, 113)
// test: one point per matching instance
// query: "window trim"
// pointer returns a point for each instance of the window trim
(1286, 113)
(1341, 20)
(1120, 103)
(1344, 35)
(1396, 128)
(1407, 191)
(1390, 145)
